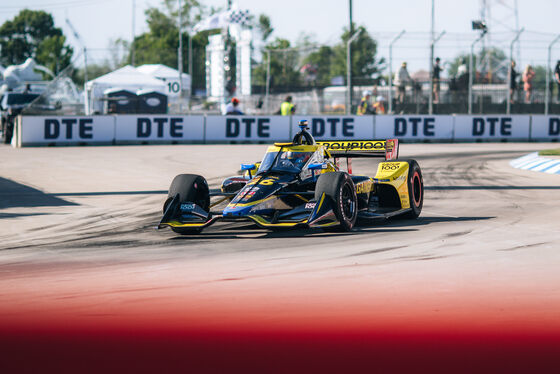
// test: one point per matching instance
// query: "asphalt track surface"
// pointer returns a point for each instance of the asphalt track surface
(88, 284)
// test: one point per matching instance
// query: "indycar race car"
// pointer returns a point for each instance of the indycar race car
(300, 184)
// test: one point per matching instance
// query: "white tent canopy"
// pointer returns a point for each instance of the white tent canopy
(169, 75)
(127, 78)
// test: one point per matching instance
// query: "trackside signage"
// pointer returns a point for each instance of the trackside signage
(253, 128)
(492, 127)
(545, 127)
(67, 130)
(336, 127)
(414, 127)
(158, 128)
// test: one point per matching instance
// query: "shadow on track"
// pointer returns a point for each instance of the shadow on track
(14, 194)
(244, 231)
(445, 188)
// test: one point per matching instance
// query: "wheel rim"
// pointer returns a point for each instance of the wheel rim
(416, 189)
(348, 202)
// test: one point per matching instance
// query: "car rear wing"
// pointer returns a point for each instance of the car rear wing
(363, 148)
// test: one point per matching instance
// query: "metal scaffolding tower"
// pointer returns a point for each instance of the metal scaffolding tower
(501, 18)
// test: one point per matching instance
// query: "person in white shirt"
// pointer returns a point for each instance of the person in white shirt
(402, 79)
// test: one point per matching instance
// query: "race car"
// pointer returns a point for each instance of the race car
(301, 184)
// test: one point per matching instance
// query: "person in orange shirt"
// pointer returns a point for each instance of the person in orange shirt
(528, 75)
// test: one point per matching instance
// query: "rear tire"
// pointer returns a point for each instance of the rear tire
(415, 189)
(340, 188)
(190, 188)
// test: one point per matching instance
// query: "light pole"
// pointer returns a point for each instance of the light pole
(180, 57)
(508, 103)
(349, 71)
(431, 102)
(471, 72)
(267, 83)
(391, 70)
(132, 51)
(349, 57)
(547, 92)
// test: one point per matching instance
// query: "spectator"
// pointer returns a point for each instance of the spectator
(287, 108)
(364, 107)
(557, 78)
(380, 105)
(528, 75)
(233, 108)
(401, 80)
(436, 78)
(462, 77)
(513, 82)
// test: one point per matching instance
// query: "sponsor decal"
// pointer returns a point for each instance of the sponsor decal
(493, 125)
(248, 127)
(390, 166)
(159, 126)
(554, 126)
(310, 205)
(249, 194)
(364, 187)
(187, 207)
(354, 146)
(415, 126)
(68, 128)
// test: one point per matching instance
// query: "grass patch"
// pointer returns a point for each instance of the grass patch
(550, 152)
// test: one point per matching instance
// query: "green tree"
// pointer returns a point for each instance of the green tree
(160, 44)
(322, 61)
(365, 66)
(33, 34)
(264, 26)
(284, 66)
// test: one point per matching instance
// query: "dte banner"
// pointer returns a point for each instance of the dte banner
(492, 127)
(66, 130)
(414, 127)
(242, 128)
(159, 128)
(545, 127)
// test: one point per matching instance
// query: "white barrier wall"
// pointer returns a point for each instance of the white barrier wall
(247, 128)
(545, 128)
(158, 129)
(138, 129)
(42, 130)
(336, 127)
(412, 127)
(494, 127)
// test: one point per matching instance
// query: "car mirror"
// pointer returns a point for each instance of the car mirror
(315, 166)
(248, 166)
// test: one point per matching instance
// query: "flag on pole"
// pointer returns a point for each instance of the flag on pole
(223, 19)
(216, 21)
(239, 16)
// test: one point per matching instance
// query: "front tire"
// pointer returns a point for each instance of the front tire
(191, 188)
(339, 187)
(415, 189)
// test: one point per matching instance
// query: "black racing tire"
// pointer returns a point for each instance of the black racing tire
(191, 188)
(415, 189)
(341, 189)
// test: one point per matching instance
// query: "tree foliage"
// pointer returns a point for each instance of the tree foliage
(365, 66)
(159, 44)
(284, 65)
(33, 34)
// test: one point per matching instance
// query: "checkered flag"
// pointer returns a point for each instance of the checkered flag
(240, 17)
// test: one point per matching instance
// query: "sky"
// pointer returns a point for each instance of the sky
(99, 21)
